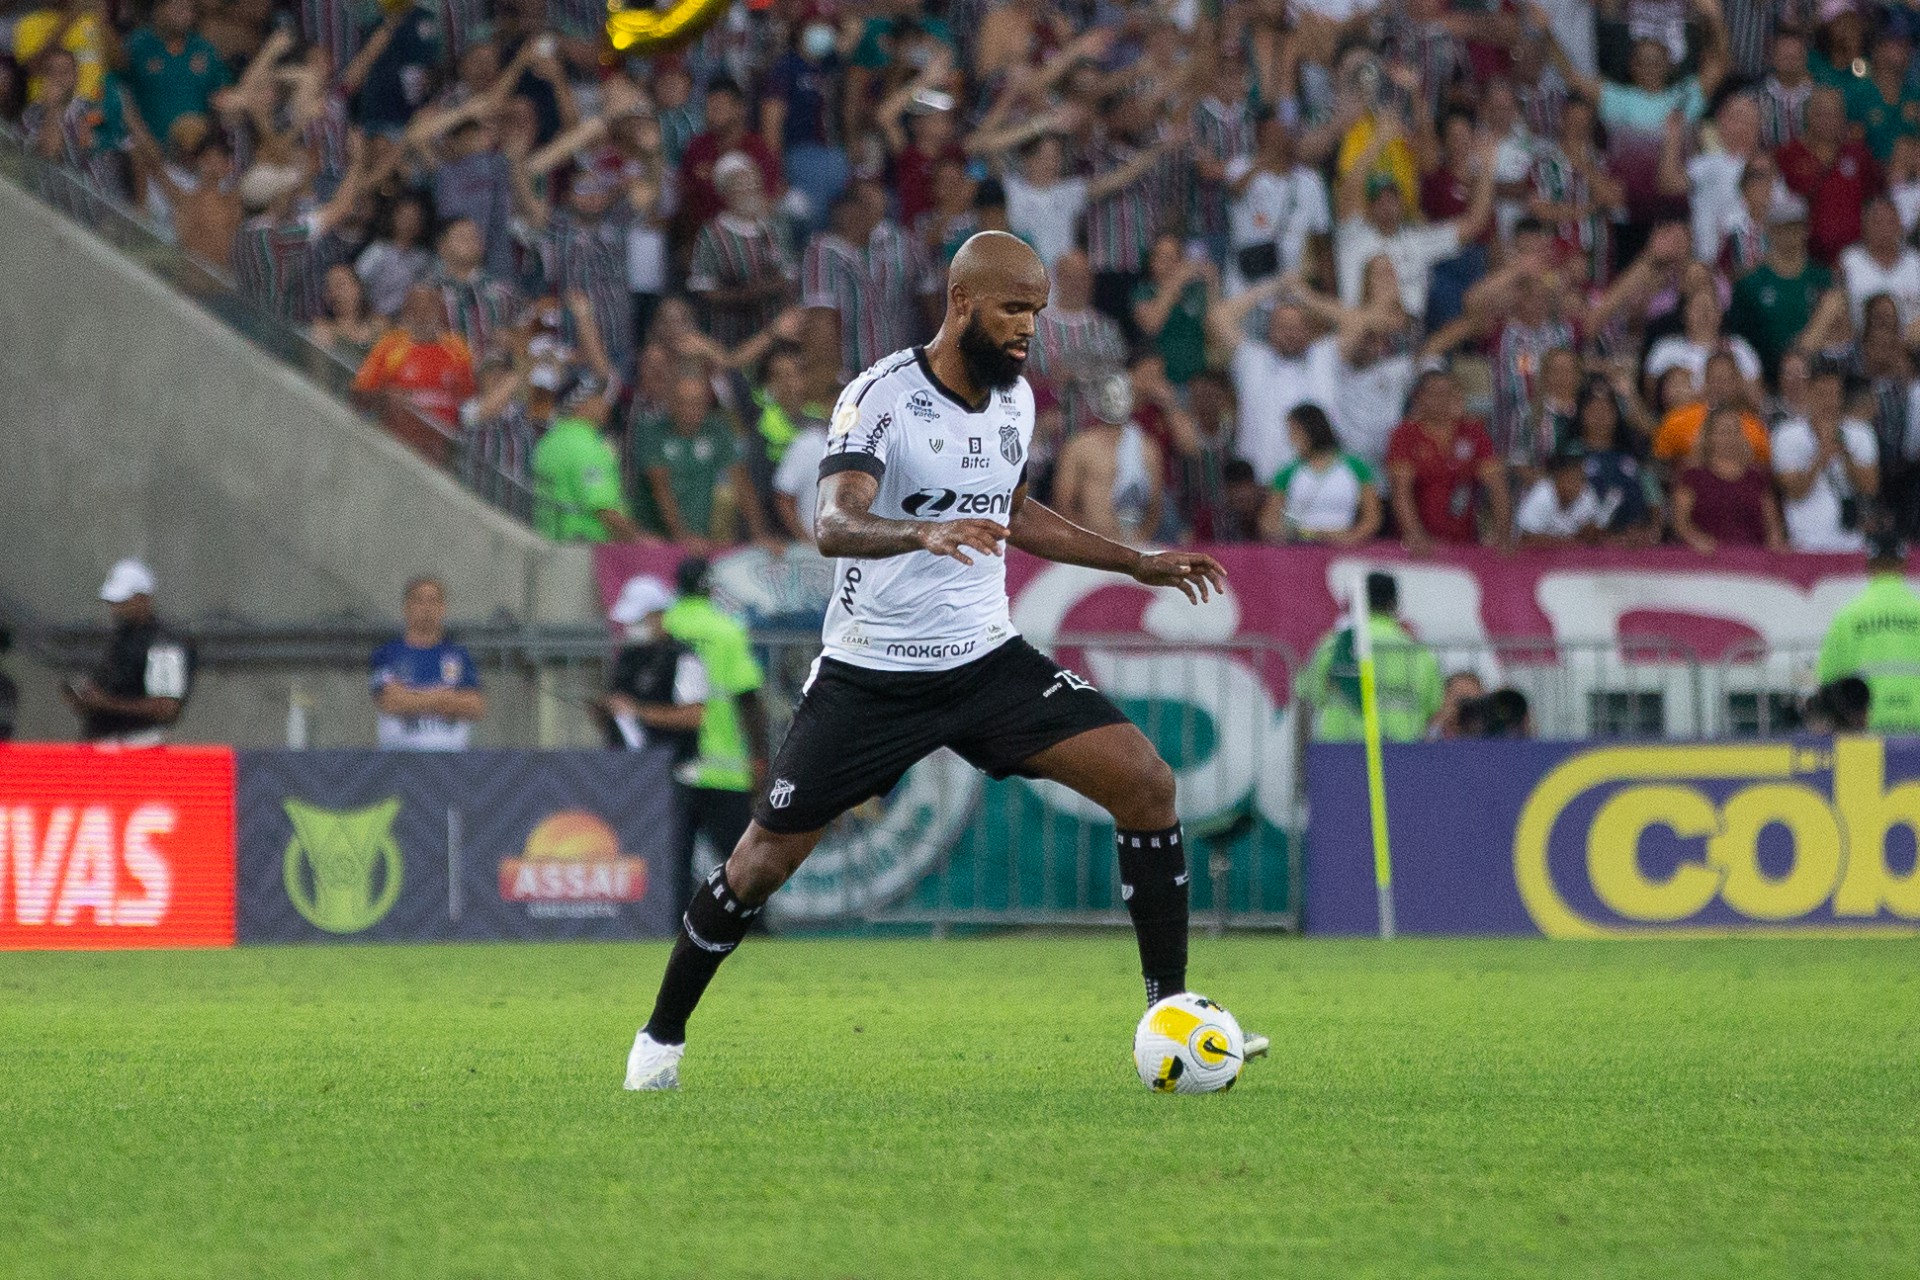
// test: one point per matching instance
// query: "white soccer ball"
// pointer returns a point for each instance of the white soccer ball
(1188, 1044)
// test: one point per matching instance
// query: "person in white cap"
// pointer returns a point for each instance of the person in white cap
(657, 695)
(141, 685)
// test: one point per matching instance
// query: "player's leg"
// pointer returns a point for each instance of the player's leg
(1117, 768)
(846, 743)
(719, 914)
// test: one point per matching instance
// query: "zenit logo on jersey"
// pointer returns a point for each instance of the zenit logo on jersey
(935, 457)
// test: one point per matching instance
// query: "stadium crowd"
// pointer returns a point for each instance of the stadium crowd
(1453, 271)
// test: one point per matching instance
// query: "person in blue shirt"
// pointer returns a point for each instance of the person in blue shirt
(425, 686)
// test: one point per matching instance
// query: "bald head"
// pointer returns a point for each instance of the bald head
(996, 288)
(994, 263)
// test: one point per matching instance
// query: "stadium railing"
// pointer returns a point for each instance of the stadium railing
(136, 236)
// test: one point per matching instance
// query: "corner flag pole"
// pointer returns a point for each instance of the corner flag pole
(1376, 768)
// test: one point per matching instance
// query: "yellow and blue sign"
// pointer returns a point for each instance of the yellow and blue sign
(1574, 840)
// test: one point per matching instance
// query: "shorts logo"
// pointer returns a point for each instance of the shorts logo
(1068, 680)
(921, 406)
(781, 794)
(1010, 444)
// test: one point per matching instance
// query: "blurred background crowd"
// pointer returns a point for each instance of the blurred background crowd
(1449, 271)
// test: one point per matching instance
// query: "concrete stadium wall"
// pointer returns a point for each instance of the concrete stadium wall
(134, 423)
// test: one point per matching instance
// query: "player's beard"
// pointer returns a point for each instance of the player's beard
(989, 365)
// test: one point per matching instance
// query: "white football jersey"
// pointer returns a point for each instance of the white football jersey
(935, 459)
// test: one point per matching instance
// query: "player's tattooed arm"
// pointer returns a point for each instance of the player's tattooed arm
(1040, 530)
(846, 526)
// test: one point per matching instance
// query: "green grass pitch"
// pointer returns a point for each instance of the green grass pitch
(886, 1108)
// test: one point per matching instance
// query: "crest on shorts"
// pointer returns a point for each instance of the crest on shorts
(781, 794)
(1010, 444)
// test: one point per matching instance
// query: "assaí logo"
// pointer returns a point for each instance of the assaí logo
(1703, 839)
(572, 868)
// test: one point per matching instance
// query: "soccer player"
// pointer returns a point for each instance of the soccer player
(922, 484)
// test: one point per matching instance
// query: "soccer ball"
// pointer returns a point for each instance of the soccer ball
(1188, 1044)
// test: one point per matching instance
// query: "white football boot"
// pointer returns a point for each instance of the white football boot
(1256, 1046)
(653, 1065)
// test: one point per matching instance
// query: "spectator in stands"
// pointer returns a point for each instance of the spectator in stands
(425, 685)
(140, 687)
(278, 252)
(346, 325)
(473, 182)
(1438, 462)
(1111, 479)
(1324, 494)
(203, 202)
(1627, 490)
(1561, 509)
(1170, 305)
(1884, 103)
(1198, 478)
(171, 69)
(1725, 499)
(1827, 467)
(743, 272)
(420, 361)
(1280, 213)
(1289, 368)
(398, 258)
(799, 114)
(869, 278)
(1406, 676)
(1835, 175)
(1773, 303)
(1699, 340)
(481, 307)
(389, 77)
(726, 132)
(696, 486)
(1373, 221)
(1073, 345)
(1722, 387)
(1880, 263)
(79, 28)
(576, 472)
(796, 477)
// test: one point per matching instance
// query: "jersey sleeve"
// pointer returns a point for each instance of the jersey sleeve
(860, 434)
(469, 670)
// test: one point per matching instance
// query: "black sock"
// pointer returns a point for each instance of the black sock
(1153, 884)
(715, 922)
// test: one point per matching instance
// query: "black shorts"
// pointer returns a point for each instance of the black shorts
(857, 731)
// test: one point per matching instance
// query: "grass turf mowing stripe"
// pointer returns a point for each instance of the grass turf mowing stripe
(966, 1108)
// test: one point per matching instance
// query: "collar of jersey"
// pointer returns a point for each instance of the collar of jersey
(920, 354)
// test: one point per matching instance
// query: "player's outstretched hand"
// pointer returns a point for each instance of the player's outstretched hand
(956, 537)
(1195, 574)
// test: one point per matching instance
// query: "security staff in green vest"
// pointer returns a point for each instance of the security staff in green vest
(1407, 676)
(1876, 636)
(717, 784)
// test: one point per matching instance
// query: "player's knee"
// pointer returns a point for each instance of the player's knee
(1147, 800)
(762, 862)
